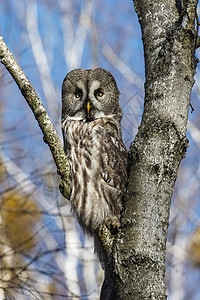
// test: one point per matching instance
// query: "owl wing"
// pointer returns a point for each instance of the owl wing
(113, 161)
(66, 145)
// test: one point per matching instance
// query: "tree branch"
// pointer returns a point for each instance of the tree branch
(49, 133)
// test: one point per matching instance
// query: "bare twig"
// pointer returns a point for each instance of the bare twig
(74, 41)
(122, 67)
(50, 135)
(40, 57)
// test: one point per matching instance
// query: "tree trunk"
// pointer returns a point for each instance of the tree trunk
(169, 38)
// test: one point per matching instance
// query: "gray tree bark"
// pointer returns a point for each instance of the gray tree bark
(169, 38)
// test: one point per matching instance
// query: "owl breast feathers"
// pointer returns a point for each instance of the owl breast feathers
(91, 118)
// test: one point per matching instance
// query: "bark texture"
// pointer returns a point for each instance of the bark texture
(169, 38)
(49, 134)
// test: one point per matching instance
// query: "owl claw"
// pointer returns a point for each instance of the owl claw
(112, 223)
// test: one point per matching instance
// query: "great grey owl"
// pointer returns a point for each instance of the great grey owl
(91, 118)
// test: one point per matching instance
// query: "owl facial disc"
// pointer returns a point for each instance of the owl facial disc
(89, 94)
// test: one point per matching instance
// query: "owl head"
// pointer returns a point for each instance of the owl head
(90, 94)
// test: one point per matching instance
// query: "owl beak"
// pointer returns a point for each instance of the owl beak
(88, 107)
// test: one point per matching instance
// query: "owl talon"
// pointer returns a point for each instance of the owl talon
(112, 223)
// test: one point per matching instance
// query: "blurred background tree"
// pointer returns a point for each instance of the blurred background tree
(44, 254)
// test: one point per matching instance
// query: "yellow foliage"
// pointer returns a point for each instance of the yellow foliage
(2, 171)
(51, 288)
(195, 247)
(19, 217)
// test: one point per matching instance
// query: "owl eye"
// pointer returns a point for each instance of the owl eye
(98, 93)
(78, 95)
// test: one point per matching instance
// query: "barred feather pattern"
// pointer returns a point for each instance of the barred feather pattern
(98, 161)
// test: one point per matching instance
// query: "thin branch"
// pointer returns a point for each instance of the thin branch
(74, 42)
(122, 67)
(40, 56)
(50, 135)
